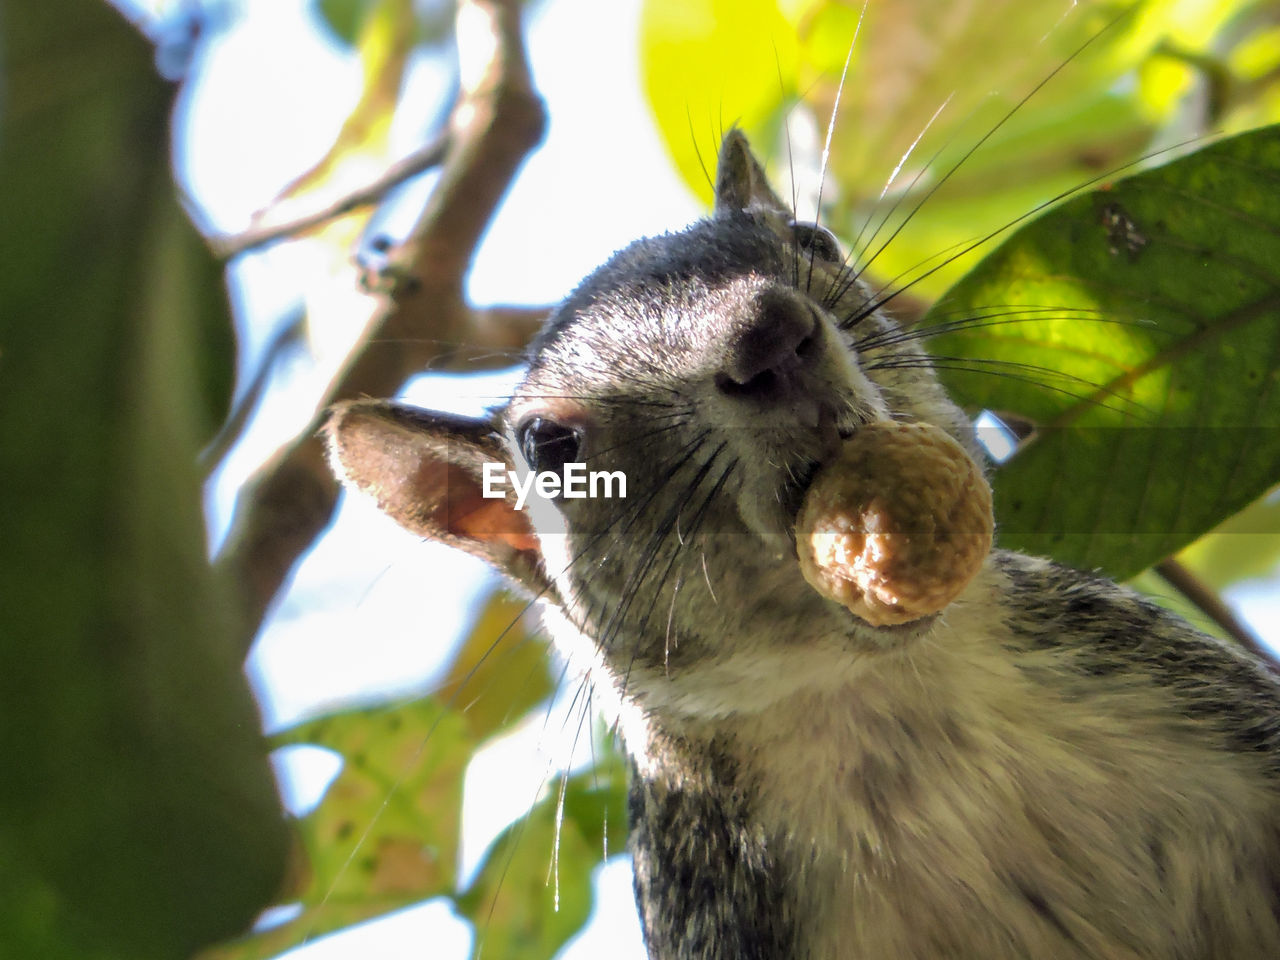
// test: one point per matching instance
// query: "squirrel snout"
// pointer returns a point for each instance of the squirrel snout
(779, 338)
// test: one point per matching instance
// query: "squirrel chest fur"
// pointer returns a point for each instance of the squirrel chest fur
(1050, 767)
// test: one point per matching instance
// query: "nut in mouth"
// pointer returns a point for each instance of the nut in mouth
(830, 434)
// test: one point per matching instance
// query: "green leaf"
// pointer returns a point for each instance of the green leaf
(501, 672)
(345, 17)
(384, 40)
(1157, 404)
(533, 891)
(709, 64)
(138, 815)
(1109, 81)
(386, 834)
(1242, 547)
(389, 824)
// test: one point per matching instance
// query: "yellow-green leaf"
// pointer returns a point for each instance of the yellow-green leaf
(501, 671)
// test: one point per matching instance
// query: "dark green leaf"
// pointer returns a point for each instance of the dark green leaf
(1153, 383)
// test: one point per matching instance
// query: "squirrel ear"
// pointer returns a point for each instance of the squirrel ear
(740, 180)
(425, 470)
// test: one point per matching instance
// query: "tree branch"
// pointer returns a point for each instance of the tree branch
(425, 323)
(1210, 604)
(425, 158)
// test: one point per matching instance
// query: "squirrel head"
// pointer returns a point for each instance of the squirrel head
(716, 369)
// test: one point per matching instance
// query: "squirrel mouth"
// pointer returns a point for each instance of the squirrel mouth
(794, 489)
(830, 434)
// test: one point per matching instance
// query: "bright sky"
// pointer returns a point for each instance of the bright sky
(260, 112)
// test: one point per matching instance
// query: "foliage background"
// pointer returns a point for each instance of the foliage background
(139, 819)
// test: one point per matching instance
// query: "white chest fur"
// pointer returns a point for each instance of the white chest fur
(950, 803)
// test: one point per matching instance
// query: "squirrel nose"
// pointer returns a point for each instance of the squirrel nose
(778, 338)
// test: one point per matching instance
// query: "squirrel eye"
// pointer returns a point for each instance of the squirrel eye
(818, 240)
(547, 445)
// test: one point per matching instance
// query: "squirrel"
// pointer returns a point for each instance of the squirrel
(1051, 767)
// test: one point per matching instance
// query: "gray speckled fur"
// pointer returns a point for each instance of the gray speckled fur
(694, 842)
(1052, 767)
(1109, 632)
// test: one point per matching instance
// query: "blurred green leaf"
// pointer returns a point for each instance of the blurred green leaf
(1242, 547)
(138, 816)
(388, 830)
(709, 64)
(501, 672)
(386, 834)
(1153, 381)
(361, 149)
(345, 17)
(396, 807)
(533, 891)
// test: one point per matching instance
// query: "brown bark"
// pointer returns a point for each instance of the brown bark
(425, 321)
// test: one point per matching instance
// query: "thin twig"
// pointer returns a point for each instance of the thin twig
(421, 160)
(426, 324)
(1210, 604)
(288, 337)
